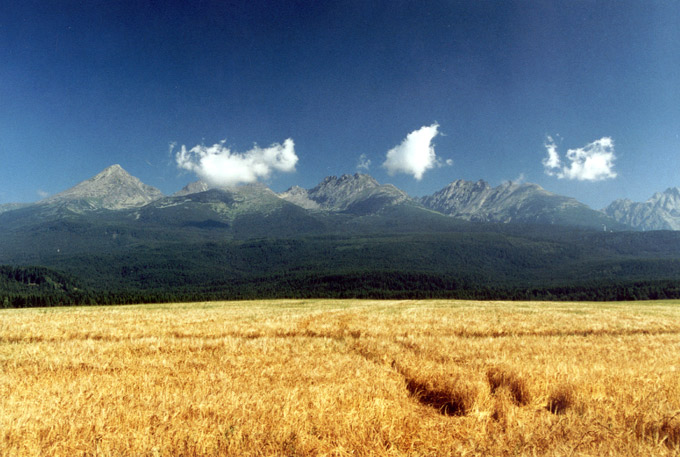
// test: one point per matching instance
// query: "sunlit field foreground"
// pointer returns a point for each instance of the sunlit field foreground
(318, 377)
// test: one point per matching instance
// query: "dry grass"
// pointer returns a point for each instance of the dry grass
(561, 398)
(336, 378)
(502, 377)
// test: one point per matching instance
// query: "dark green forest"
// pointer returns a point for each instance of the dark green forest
(489, 262)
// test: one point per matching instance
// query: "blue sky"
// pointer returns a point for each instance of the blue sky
(84, 85)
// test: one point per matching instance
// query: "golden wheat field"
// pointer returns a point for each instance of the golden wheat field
(344, 377)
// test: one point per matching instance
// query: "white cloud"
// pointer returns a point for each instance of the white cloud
(220, 166)
(415, 155)
(553, 159)
(42, 194)
(593, 162)
(364, 163)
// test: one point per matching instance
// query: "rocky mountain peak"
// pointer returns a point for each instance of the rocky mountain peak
(359, 193)
(660, 212)
(356, 180)
(673, 191)
(112, 170)
(511, 202)
(192, 188)
(668, 199)
(113, 188)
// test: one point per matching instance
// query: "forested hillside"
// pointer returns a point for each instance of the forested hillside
(39, 286)
(482, 263)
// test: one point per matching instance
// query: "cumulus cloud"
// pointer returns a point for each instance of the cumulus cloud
(364, 163)
(593, 162)
(553, 160)
(415, 155)
(42, 194)
(218, 165)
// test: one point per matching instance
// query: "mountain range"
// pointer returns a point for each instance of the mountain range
(514, 202)
(361, 194)
(347, 236)
(660, 212)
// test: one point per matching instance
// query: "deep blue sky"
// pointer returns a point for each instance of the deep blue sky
(84, 85)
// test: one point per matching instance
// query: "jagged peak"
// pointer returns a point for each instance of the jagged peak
(348, 177)
(482, 185)
(656, 196)
(355, 180)
(465, 183)
(509, 201)
(669, 192)
(660, 212)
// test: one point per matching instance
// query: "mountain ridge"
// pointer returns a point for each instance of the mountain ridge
(660, 212)
(514, 202)
(359, 194)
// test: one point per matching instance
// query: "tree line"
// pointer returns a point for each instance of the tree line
(42, 287)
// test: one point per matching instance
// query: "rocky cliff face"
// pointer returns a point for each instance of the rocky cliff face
(113, 189)
(660, 212)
